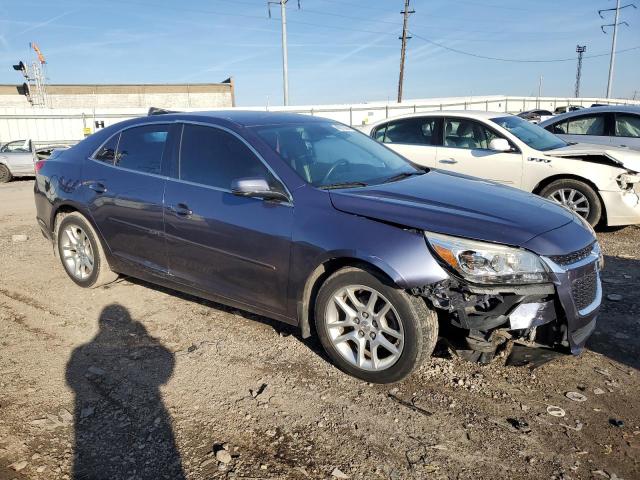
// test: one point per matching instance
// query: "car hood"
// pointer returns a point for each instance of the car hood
(625, 157)
(462, 206)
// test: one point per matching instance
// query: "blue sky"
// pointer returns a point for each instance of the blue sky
(339, 51)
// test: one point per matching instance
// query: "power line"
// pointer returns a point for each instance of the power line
(612, 58)
(514, 60)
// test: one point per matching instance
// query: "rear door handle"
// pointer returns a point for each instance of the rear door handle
(180, 209)
(448, 160)
(98, 187)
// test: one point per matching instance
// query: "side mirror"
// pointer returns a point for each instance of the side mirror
(499, 145)
(257, 187)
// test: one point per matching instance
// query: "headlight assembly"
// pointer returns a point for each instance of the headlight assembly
(488, 263)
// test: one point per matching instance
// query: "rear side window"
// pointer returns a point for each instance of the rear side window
(213, 157)
(107, 152)
(627, 125)
(141, 148)
(415, 131)
(587, 125)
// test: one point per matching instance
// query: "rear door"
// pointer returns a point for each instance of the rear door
(465, 149)
(627, 130)
(124, 186)
(231, 246)
(19, 157)
(414, 138)
(587, 128)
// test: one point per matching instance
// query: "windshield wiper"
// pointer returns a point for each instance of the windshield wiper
(402, 175)
(343, 185)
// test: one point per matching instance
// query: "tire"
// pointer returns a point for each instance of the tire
(560, 189)
(5, 174)
(87, 246)
(414, 326)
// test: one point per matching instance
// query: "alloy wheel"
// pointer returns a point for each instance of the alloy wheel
(572, 199)
(77, 252)
(364, 327)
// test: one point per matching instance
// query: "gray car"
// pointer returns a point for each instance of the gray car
(19, 157)
(615, 125)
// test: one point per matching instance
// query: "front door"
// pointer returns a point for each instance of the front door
(465, 149)
(124, 189)
(234, 247)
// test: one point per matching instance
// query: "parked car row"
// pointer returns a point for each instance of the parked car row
(308, 221)
(598, 183)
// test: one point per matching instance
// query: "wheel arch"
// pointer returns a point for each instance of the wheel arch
(306, 301)
(69, 207)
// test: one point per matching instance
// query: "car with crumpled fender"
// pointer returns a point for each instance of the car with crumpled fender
(310, 222)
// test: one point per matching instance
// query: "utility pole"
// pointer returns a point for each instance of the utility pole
(612, 59)
(285, 60)
(406, 12)
(580, 49)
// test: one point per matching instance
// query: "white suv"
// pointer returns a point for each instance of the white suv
(598, 182)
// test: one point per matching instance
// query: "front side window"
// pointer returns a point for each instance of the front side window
(533, 135)
(587, 125)
(627, 125)
(141, 148)
(213, 157)
(464, 133)
(107, 152)
(330, 154)
(415, 131)
(18, 146)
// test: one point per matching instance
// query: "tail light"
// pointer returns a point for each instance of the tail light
(39, 165)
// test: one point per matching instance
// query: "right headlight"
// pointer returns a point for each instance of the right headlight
(488, 263)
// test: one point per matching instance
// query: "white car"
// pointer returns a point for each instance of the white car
(598, 182)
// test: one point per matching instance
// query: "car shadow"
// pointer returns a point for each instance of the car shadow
(617, 333)
(122, 428)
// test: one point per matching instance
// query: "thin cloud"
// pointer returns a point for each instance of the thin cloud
(44, 23)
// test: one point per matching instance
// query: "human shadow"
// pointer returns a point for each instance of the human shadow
(122, 428)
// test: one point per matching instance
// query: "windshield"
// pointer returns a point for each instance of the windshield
(533, 135)
(333, 155)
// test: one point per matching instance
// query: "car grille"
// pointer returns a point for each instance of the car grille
(584, 290)
(572, 257)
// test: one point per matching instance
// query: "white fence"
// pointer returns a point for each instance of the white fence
(70, 126)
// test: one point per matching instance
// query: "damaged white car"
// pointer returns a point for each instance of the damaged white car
(600, 183)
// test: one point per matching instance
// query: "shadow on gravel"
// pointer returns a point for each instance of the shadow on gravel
(122, 428)
(617, 333)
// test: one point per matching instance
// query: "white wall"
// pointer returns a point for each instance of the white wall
(67, 125)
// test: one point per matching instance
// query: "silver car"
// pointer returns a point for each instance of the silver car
(18, 158)
(613, 125)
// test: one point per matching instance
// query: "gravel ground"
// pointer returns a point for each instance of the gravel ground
(135, 381)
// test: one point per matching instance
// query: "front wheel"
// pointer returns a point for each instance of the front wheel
(371, 329)
(5, 174)
(577, 196)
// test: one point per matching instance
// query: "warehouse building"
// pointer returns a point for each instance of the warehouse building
(143, 96)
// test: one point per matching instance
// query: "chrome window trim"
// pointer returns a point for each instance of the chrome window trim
(119, 132)
(124, 169)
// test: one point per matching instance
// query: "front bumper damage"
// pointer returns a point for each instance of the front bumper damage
(560, 315)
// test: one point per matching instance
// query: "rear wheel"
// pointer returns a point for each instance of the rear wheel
(5, 174)
(81, 253)
(577, 196)
(371, 329)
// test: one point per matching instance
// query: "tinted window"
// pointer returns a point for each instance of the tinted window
(586, 125)
(559, 128)
(107, 152)
(140, 148)
(213, 157)
(463, 133)
(418, 131)
(627, 125)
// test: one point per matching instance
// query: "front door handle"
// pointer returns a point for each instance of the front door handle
(180, 209)
(448, 160)
(98, 187)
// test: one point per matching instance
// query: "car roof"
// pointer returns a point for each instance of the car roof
(586, 111)
(245, 118)
(473, 114)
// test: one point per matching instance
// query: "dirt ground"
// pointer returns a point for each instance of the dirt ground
(135, 381)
